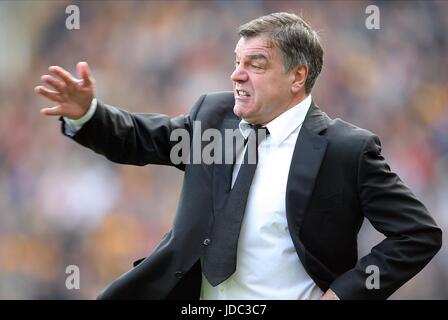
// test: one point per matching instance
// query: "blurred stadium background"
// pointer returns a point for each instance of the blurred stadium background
(61, 204)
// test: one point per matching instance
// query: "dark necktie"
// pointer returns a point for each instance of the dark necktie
(219, 261)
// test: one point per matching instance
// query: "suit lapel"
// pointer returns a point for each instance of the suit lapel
(308, 154)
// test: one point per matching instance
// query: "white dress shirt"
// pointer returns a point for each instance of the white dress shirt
(268, 266)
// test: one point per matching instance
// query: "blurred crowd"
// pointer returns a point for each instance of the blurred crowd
(61, 204)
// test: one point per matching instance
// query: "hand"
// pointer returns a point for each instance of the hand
(73, 96)
(329, 295)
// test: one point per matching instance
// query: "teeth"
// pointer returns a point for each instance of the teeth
(242, 93)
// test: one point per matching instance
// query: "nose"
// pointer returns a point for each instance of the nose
(239, 74)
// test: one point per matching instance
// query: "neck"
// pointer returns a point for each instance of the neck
(292, 103)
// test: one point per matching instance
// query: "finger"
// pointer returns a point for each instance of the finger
(52, 111)
(84, 72)
(63, 74)
(53, 82)
(50, 94)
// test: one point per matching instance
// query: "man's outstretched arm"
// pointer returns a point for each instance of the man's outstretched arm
(119, 135)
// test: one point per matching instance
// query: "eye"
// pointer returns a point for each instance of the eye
(256, 66)
(236, 63)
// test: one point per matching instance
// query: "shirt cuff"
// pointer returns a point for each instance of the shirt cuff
(74, 125)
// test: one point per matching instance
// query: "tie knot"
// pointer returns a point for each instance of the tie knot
(257, 127)
(257, 132)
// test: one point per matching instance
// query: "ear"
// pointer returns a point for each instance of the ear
(299, 74)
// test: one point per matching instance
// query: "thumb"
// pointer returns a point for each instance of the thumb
(52, 111)
(83, 71)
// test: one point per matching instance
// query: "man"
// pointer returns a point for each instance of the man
(284, 227)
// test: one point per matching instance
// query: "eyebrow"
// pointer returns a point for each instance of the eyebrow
(258, 56)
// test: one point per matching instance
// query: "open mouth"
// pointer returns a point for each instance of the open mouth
(242, 93)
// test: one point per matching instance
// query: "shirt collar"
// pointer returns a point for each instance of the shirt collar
(282, 126)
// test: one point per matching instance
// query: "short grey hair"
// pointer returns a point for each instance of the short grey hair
(298, 43)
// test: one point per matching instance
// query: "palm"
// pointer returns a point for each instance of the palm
(73, 96)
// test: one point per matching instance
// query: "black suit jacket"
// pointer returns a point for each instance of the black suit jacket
(337, 177)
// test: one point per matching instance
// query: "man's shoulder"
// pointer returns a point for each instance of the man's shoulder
(216, 105)
(345, 135)
(219, 100)
(342, 128)
(220, 97)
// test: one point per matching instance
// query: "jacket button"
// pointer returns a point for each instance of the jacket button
(179, 274)
(206, 241)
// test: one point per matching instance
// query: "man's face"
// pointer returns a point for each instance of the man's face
(259, 73)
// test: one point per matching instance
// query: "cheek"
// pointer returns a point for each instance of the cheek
(269, 86)
(262, 90)
(281, 89)
(269, 91)
(267, 94)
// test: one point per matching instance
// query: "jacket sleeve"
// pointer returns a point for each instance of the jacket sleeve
(134, 138)
(412, 236)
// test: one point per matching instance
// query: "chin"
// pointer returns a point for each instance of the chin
(237, 110)
(241, 111)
